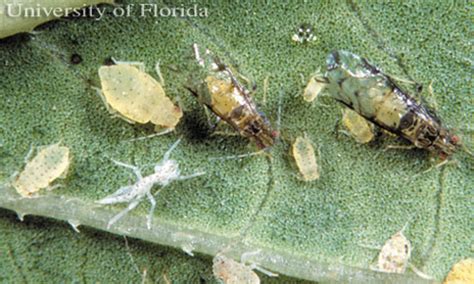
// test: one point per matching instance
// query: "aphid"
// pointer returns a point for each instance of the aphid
(304, 33)
(359, 128)
(394, 255)
(356, 83)
(135, 96)
(165, 172)
(230, 271)
(50, 163)
(305, 158)
(461, 273)
(314, 87)
(223, 94)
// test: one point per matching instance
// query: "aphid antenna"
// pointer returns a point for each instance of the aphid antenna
(135, 169)
(158, 72)
(279, 111)
(255, 266)
(437, 166)
(129, 253)
(419, 272)
(197, 55)
(369, 247)
(164, 132)
(244, 258)
(235, 157)
(74, 225)
(29, 154)
(144, 275)
(167, 155)
(191, 176)
(138, 64)
(265, 89)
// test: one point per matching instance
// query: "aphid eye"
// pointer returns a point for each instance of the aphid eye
(454, 139)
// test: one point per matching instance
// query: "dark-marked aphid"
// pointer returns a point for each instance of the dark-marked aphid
(230, 271)
(359, 85)
(219, 90)
(394, 256)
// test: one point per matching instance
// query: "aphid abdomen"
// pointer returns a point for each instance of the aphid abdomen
(50, 163)
(364, 88)
(224, 95)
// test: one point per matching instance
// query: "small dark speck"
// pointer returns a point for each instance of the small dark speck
(108, 61)
(419, 88)
(76, 58)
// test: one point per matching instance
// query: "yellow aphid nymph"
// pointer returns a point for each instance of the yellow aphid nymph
(136, 96)
(305, 158)
(50, 163)
(314, 87)
(359, 128)
(461, 273)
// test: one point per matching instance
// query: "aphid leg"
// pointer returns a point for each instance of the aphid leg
(244, 259)
(432, 100)
(419, 272)
(165, 131)
(158, 72)
(28, 155)
(152, 209)
(370, 247)
(438, 165)
(167, 155)
(265, 90)
(135, 169)
(254, 266)
(279, 112)
(234, 157)
(138, 64)
(191, 176)
(130, 255)
(119, 196)
(197, 55)
(303, 79)
(402, 147)
(52, 187)
(122, 213)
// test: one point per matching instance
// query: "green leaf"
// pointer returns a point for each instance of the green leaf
(315, 231)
